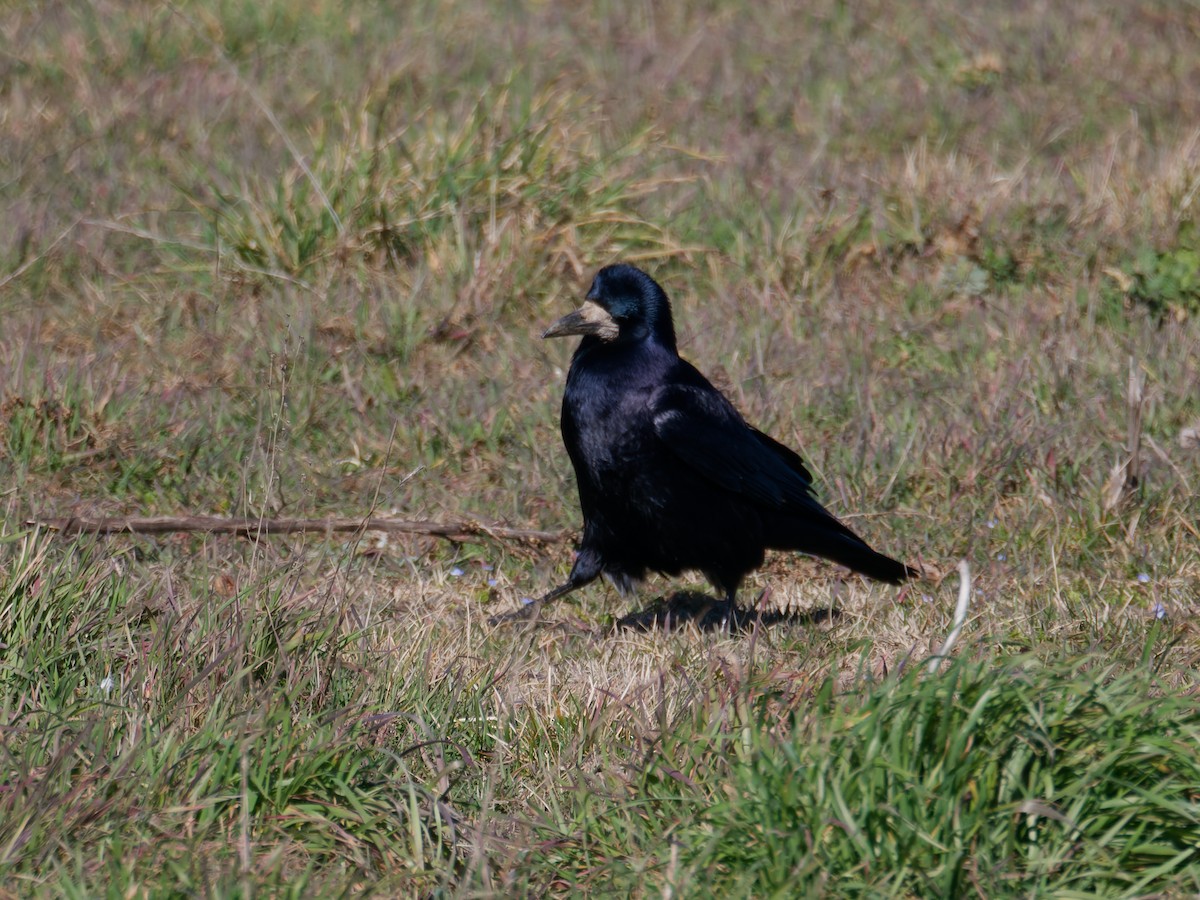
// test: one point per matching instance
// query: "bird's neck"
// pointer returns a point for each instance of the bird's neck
(595, 349)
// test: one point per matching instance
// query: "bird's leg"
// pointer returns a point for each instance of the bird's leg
(533, 607)
(726, 610)
(585, 571)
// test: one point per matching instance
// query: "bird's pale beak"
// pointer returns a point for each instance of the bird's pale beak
(591, 318)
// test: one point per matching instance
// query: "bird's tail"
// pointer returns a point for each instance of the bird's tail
(832, 540)
(854, 553)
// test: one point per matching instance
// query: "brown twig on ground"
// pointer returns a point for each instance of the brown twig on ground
(451, 531)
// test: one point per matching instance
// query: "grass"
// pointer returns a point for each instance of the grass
(1004, 775)
(291, 260)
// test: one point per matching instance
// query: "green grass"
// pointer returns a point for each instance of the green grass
(284, 260)
(1001, 775)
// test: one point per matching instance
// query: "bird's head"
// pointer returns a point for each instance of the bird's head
(623, 304)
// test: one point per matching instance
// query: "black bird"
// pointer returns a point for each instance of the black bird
(670, 476)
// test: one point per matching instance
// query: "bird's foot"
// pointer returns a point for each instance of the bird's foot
(526, 613)
(726, 615)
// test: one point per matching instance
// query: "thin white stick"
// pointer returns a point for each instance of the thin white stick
(960, 615)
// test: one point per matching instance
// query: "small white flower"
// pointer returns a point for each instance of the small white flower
(107, 685)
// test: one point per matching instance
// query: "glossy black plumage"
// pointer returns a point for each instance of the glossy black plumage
(671, 478)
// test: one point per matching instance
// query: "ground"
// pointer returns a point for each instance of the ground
(292, 260)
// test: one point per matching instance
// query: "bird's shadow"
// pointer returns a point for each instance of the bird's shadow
(707, 613)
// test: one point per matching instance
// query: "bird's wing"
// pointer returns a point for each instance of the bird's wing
(699, 426)
(787, 454)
